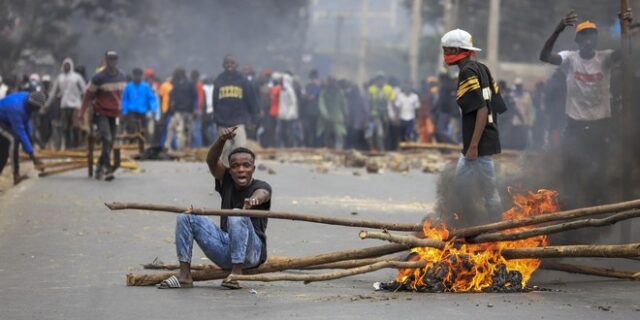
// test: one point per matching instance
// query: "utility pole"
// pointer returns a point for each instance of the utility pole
(362, 50)
(493, 37)
(337, 50)
(450, 16)
(414, 41)
(627, 124)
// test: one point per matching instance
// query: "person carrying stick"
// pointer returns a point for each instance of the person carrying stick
(239, 242)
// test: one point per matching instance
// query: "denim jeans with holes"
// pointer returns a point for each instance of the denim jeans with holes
(240, 245)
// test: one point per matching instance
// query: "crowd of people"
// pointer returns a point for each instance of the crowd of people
(276, 109)
(279, 109)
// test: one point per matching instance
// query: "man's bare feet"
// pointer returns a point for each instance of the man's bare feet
(236, 269)
(184, 275)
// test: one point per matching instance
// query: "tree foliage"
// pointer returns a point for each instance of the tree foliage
(32, 28)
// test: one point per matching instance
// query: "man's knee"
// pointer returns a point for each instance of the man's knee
(183, 219)
(238, 222)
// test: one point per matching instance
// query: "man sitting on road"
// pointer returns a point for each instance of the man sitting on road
(239, 242)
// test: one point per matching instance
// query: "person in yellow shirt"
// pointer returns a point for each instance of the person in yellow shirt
(381, 95)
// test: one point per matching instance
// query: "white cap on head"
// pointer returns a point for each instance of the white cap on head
(518, 81)
(458, 39)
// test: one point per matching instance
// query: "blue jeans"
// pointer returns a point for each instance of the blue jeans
(480, 173)
(240, 245)
(196, 132)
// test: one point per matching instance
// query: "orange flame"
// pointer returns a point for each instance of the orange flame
(471, 266)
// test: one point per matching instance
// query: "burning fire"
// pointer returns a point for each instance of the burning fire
(470, 267)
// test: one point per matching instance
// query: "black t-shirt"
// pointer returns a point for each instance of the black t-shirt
(472, 80)
(233, 198)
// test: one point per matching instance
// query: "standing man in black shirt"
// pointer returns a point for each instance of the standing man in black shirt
(239, 242)
(183, 103)
(234, 103)
(480, 102)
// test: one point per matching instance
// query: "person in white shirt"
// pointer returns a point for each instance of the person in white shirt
(407, 102)
(209, 131)
(588, 109)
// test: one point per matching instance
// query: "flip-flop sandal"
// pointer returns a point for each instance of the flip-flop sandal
(231, 284)
(173, 283)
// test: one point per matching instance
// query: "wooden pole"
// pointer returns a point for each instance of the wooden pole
(308, 278)
(62, 163)
(547, 217)
(556, 228)
(414, 41)
(278, 265)
(267, 214)
(404, 240)
(347, 264)
(605, 251)
(61, 170)
(602, 272)
(628, 137)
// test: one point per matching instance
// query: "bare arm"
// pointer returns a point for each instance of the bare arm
(86, 100)
(481, 123)
(547, 54)
(216, 167)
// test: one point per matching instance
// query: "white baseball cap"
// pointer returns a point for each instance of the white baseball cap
(458, 39)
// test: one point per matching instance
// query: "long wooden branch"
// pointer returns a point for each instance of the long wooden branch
(347, 264)
(307, 278)
(602, 272)
(267, 214)
(410, 241)
(546, 265)
(61, 163)
(556, 216)
(62, 169)
(608, 251)
(273, 266)
(572, 225)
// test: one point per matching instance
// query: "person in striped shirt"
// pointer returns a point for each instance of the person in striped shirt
(105, 95)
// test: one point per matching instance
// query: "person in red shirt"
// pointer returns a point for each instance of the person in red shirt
(105, 95)
(274, 109)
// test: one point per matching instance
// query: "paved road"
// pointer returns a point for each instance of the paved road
(65, 256)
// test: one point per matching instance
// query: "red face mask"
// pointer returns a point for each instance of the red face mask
(451, 59)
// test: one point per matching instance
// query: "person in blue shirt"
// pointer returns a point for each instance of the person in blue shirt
(138, 100)
(15, 129)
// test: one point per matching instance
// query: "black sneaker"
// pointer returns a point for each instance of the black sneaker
(98, 173)
(109, 175)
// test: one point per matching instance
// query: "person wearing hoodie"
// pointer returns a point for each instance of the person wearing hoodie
(138, 100)
(66, 93)
(15, 112)
(287, 112)
(234, 102)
